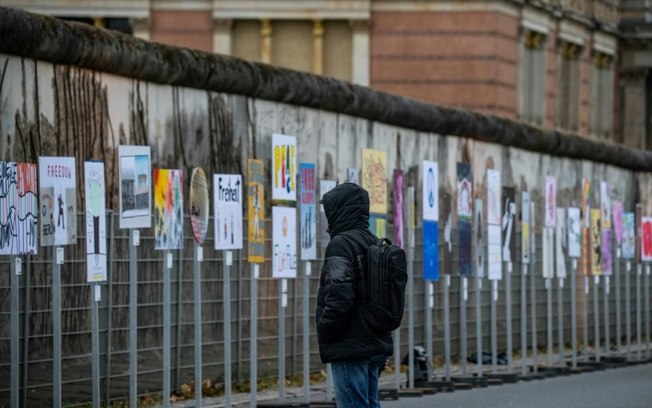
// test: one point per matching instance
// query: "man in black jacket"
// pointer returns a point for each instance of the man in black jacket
(356, 354)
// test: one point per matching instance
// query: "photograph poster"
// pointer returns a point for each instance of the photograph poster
(134, 170)
(57, 182)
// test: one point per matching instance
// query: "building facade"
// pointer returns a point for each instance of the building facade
(552, 63)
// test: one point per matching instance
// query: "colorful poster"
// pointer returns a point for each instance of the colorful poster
(18, 209)
(228, 211)
(95, 188)
(617, 219)
(168, 209)
(324, 187)
(574, 232)
(629, 236)
(353, 175)
(639, 232)
(308, 200)
(560, 244)
(199, 211)
(430, 191)
(605, 205)
(596, 242)
(508, 228)
(525, 227)
(430, 250)
(135, 186)
(494, 212)
(255, 211)
(551, 202)
(378, 225)
(447, 217)
(647, 239)
(533, 236)
(284, 171)
(464, 217)
(398, 208)
(586, 213)
(57, 181)
(284, 237)
(479, 242)
(374, 179)
(494, 249)
(605, 246)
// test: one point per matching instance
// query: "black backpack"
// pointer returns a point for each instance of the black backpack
(383, 277)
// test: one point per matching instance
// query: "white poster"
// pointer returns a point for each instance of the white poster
(284, 169)
(547, 252)
(494, 249)
(284, 237)
(228, 211)
(95, 188)
(135, 172)
(551, 202)
(430, 189)
(57, 182)
(574, 232)
(560, 243)
(494, 212)
(525, 227)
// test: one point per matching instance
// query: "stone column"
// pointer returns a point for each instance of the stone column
(360, 51)
(317, 47)
(222, 41)
(266, 41)
(141, 27)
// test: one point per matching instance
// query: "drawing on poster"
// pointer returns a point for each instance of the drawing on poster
(479, 244)
(605, 246)
(525, 227)
(228, 211)
(574, 232)
(560, 243)
(508, 228)
(398, 208)
(646, 239)
(374, 179)
(617, 220)
(58, 193)
(308, 201)
(353, 175)
(168, 209)
(199, 205)
(284, 237)
(551, 202)
(596, 241)
(18, 209)
(494, 248)
(255, 211)
(430, 191)
(447, 216)
(95, 187)
(629, 236)
(135, 186)
(605, 205)
(493, 197)
(284, 172)
(586, 213)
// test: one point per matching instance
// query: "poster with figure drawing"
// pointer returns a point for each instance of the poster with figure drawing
(284, 171)
(430, 191)
(596, 243)
(525, 227)
(617, 221)
(574, 232)
(646, 227)
(629, 236)
(374, 179)
(57, 181)
(507, 224)
(284, 242)
(494, 212)
(168, 209)
(464, 217)
(560, 243)
(478, 225)
(551, 202)
(134, 165)
(18, 209)
(447, 218)
(95, 189)
(228, 211)
(308, 201)
(199, 202)
(605, 205)
(255, 211)
(398, 207)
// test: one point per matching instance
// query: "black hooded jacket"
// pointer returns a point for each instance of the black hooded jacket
(341, 329)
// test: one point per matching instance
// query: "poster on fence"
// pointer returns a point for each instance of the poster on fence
(494, 249)
(547, 252)
(507, 224)
(464, 217)
(430, 191)
(353, 175)
(586, 227)
(284, 242)
(525, 227)
(447, 217)
(18, 209)
(478, 225)
(228, 211)
(639, 232)
(398, 207)
(493, 197)
(596, 243)
(199, 210)
(308, 201)
(551, 202)
(255, 211)
(560, 243)
(605, 205)
(646, 226)
(57, 181)
(617, 221)
(284, 171)
(374, 179)
(135, 186)
(605, 246)
(95, 189)
(629, 236)
(168, 209)
(574, 232)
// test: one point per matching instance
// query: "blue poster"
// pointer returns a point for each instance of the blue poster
(430, 250)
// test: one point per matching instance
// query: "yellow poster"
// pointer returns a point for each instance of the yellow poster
(374, 179)
(255, 211)
(596, 250)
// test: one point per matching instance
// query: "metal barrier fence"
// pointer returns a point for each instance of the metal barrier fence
(36, 362)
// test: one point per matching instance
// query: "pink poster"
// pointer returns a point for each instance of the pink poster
(617, 218)
(551, 202)
(647, 238)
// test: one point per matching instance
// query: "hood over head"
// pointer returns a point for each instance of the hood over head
(346, 207)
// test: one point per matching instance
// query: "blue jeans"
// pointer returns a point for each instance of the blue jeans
(356, 382)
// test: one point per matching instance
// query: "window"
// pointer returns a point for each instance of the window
(532, 77)
(568, 100)
(602, 93)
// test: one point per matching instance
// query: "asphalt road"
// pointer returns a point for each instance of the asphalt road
(629, 387)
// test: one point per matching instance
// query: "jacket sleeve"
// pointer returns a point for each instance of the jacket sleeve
(339, 296)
